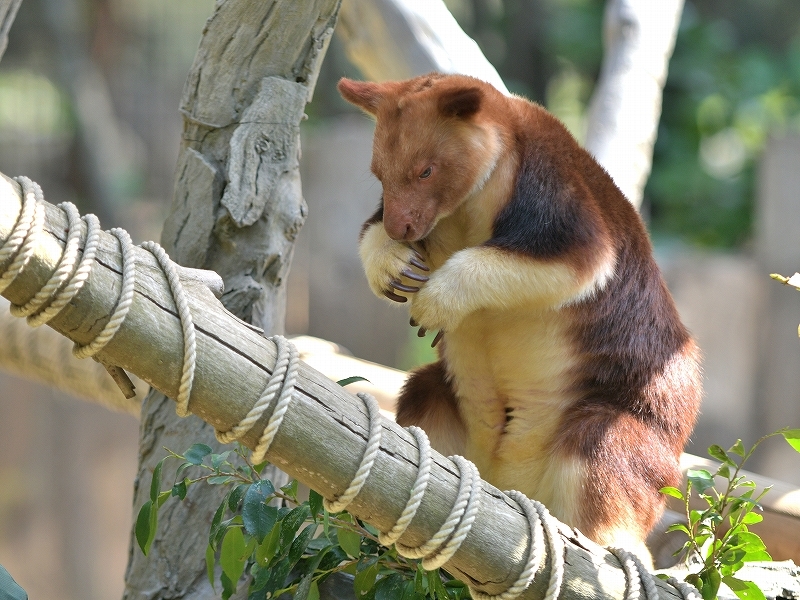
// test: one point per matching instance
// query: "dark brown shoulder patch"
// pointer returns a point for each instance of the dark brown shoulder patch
(427, 400)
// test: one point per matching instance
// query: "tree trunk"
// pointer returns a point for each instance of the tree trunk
(8, 10)
(236, 209)
(625, 108)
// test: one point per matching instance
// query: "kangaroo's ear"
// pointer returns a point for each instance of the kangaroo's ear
(462, 102)
(364, 94)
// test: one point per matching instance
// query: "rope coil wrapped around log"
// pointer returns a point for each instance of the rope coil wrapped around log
(70, 275)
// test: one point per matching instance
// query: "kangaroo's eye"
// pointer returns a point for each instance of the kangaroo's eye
(426, 173)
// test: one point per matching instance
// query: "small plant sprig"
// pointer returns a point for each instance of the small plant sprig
(280, 544)
(718, 536)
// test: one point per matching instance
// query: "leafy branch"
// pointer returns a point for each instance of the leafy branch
(718, 538)
(279, 544)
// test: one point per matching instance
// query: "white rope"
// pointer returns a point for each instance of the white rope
(445, 542)
(541, 525)
(370, 454)
(187, 326)
(282, 380)
(66, 265)
(687, 590)
(417, 490)
(123, 302)
(635, 575)
(435, 552)
(25, 235)
(80, 276)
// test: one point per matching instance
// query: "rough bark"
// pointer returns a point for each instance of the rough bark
(320, 442)
(236, 209)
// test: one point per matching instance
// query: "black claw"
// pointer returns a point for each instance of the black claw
(418, 263)
(422, 331)
(437, 338)
(415, 276)
(396, 297)
(412, 322)
(403, 288)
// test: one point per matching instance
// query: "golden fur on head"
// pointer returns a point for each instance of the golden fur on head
(564, 370)
(427, 170)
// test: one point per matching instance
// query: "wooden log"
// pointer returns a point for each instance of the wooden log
(323, 435)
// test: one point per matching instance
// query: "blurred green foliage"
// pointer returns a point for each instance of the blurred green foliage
(727, 92)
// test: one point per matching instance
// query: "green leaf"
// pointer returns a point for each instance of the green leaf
(737, 448)
(300, 543)
(210, 566)
(228, 586)
(232, 555)
(290, 489)
(182, 468)
(313, 592)
(748, 540)
(10, 589)
(694, 579)
(314, 503)
(672, 491)
(732, 556)
(142, 529)
(219, 479)
(350, 542)
(420, 580)
(391, 587)
(365, 579)
(304, 587)
(793, 437)
(179, 489)
(236, 496)
(291, 524)
(153, 524)
(724, 471)
(163, 497)
(257, 516)
(218, 459)
(711, 581)
(751, 518)
(717, 452)
(700, 479)
(435, 583)
(277, 577)
(678, 527)
(409, 592)
(266, 549)
(216, 521)
(746, 590)
(197, 453)
(349, 380)
(155, 483)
